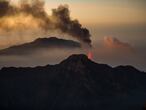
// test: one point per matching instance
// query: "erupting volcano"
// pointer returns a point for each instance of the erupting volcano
(90, 55)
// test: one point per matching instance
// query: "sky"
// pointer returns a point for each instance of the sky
(105, 11)
(117, 29)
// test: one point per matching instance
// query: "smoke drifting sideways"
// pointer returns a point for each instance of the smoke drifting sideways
(31, 13)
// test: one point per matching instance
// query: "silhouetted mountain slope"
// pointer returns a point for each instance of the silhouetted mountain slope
(77, 83)
(40, 43)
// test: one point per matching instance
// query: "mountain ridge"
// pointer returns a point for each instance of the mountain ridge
(74, 58)
(40, 43)
(76, 83)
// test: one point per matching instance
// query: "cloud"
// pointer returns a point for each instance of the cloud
(114, 51)
(114, 43)
(31, 15)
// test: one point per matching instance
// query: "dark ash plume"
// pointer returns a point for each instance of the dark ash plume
(59, 20)
(4, 7)
(73, 27)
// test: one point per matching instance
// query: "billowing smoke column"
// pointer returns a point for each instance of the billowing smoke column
(73, 27)
(59, 20)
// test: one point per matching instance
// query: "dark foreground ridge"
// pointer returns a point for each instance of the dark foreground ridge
(77, 83)
(40, 44)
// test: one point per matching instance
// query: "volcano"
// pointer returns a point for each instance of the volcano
(77, 83)
(40, 44)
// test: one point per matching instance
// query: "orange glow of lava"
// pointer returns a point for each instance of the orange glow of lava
(90, 55)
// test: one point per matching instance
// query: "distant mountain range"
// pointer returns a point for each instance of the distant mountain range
(39, 44)
(77, 83)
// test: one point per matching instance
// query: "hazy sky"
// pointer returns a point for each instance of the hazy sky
(105, 11)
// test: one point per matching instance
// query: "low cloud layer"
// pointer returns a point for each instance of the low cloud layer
(30, 15)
